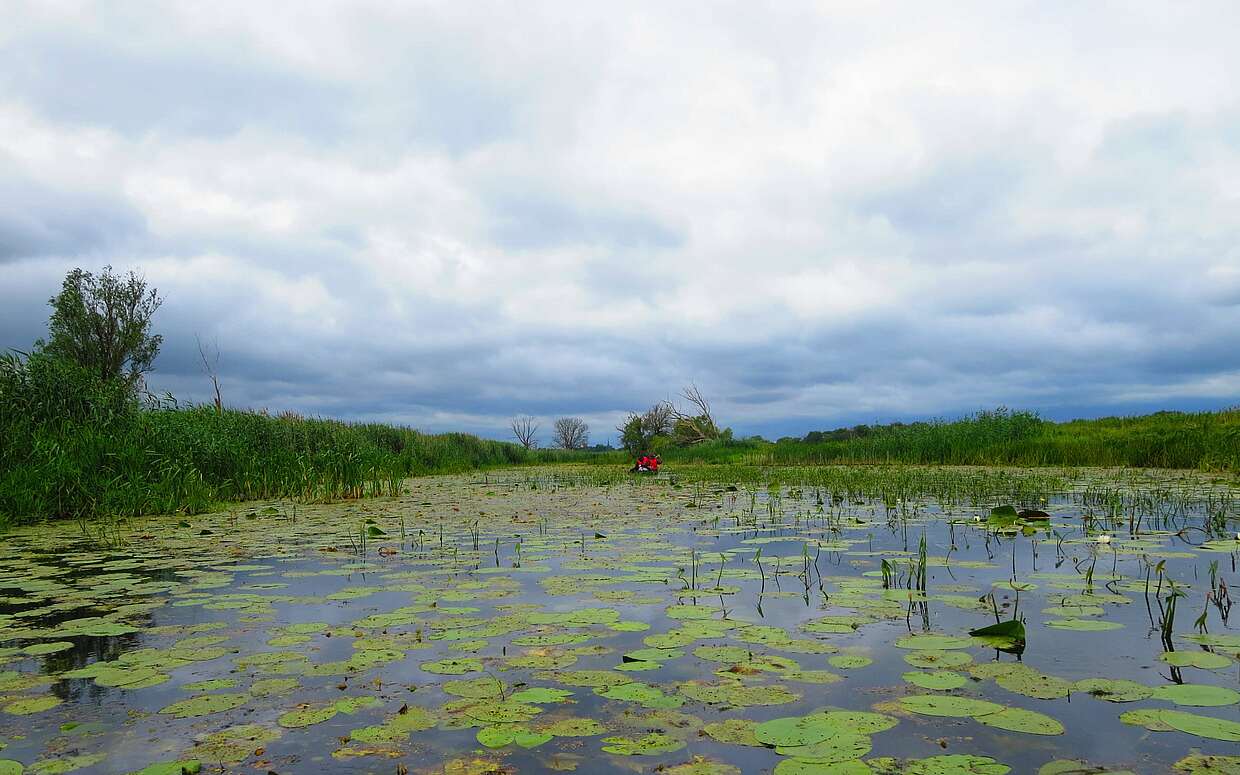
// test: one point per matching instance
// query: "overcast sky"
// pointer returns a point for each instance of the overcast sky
(821, 213)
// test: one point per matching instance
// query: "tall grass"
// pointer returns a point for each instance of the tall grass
(72, 445)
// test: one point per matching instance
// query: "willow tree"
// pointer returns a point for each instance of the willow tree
(103, 323)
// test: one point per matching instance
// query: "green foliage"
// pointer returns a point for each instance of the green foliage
(1201, 440)
(73, 444)
(103, 323)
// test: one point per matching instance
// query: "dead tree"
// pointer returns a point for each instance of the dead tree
(571, 433)
(525, 429)
(212, 367)
(696, 424)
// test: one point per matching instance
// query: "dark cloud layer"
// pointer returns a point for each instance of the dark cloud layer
(448, 216)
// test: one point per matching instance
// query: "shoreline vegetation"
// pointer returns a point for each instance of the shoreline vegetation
(1208, 441)
(74, 445)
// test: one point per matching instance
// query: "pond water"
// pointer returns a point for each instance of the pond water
(530, 622)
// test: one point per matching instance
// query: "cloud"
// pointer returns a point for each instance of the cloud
(448, 216)
(38, 221)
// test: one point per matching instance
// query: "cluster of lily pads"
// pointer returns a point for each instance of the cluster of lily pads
(497, 626)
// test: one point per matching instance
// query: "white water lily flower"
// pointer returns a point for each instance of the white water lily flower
(1104, 539)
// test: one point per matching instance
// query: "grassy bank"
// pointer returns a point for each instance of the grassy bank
(72, 445)
(1201, 440)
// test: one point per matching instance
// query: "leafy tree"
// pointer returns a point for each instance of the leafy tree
(103, 323)
(571, 433)
(639, 431)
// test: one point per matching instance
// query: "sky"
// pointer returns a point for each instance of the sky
(822, 214)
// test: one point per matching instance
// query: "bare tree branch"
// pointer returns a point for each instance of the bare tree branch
(525, 429)
(696, 424)
(211, 367)
(571, 433)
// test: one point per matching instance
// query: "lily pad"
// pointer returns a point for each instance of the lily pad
(1021, 720)
(794, 731)
(1202, 726)
(737, 731)
(937, 679)
(1205, 764)
(938, 659)
(947, 764)
(849, 661)
(1083, 625)
(1197, 695)
(1202, 659)
(950, 706)
(29, 705)
(1031, 683)
(206, 704)
(841, 746)
(453, 666)
(646, 745)
(1113, 690)
(933, 642)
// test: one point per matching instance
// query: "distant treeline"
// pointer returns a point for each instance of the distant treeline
(75, 445)
(1202, 440)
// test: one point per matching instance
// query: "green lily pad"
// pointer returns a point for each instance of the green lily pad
(210, 685)
(205, 704)
(647, 745)
(653, 655)
(41, 649)
(1202, 726)
(1150, 718)
(65, 764)
(736, 731)
(1113, 690)
(453, 666)
(574, 727)
(861, 721)
(1197, 695)
(947, 764)
(234, 745)
(849, 661)
(272, 687)
(700, 766)
(725, 654)
(185, 767)
(1031, 683)
(795, 731)
(806, 767)
(1202, 659)
(1076, 767)
(933, 659)
(933, 642)
(937, 679)
(841, 746)
(540, 695)
(1084, 625)
(645, 695)
(944, 705)
(737, 695)
(1021, 720)
(1204, 764)
(29, 705)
